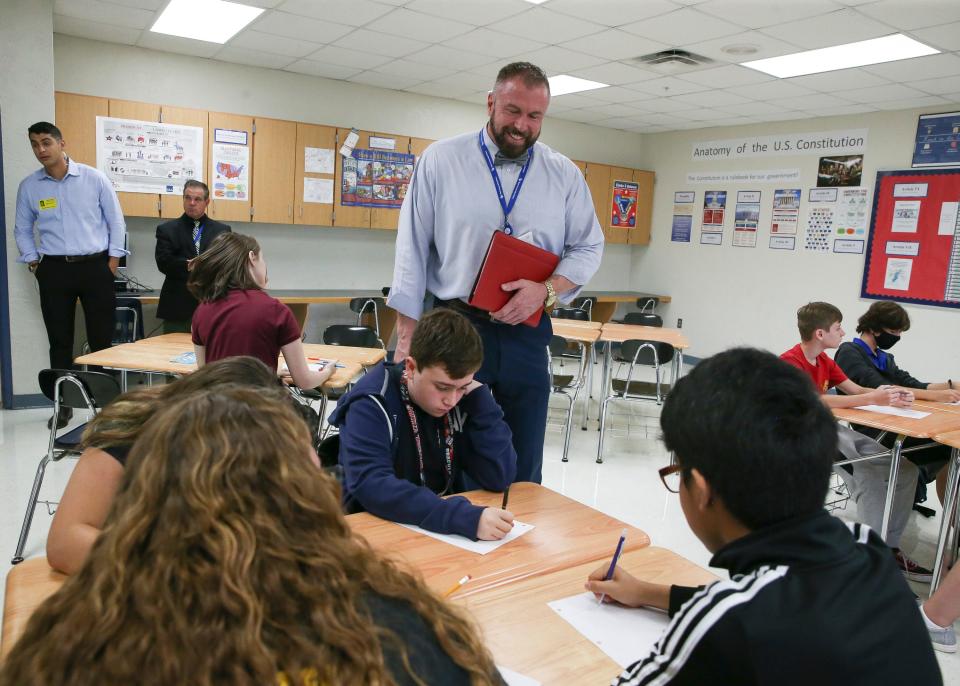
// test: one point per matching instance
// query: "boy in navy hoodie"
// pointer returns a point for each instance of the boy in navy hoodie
(409, 432)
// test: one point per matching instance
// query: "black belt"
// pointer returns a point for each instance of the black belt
(76, 258)
(463, 308)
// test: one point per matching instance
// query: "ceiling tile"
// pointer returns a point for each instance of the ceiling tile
(301, 28)
(659, 119)
(380, 43)
(733, 121)
(345, 57)
(352, 13)
(787, 115)
(666, 86)
(71, 26)
(439, 90)
(493, 43)
(265, 4)
(154, 5)
(726, 76)
(423, 27)
(104, 12)
(810, 102)
(835, 28)
(661, 105)
(915, 14)
(757, 15)
(577, 100)
(944, 37)
(770, 89)
(322, 69)
(254, 58)
(752, 108)
(421, 72)
(612, 12)
(475, 13)
(556, 60)
(892, 91)
(621, 122)
(842, 110)
(946, 84)
(614, 110)
(181, 46)
(443, 56)
(683, 27)
(614, 44)
(545, 26)
(582, 116)
(716, 98)
(372, 78)
(912, 103)
(615, 94)
(918, 68)
(278, 45)
(766, 46)
(695, 115)
(614, 73)
(470, 82)
(840, 80)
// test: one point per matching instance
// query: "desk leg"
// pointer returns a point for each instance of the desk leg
(123, 380)
(948, 518)
(891, 485)
(589, 352)
(607, 366)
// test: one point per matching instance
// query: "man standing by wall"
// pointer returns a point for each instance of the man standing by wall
(178, 243)
(81, 231)
(448, 217)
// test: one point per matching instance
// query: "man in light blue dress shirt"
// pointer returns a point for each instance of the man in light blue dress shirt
(81, 228)
(450, 213)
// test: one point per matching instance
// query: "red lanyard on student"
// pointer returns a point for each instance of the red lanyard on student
(415, 426)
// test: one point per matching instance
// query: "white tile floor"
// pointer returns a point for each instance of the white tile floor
(625, 486)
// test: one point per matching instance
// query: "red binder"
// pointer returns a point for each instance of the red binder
(509, 259)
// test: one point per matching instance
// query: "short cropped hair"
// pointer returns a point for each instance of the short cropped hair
(44, 127)
(531, 75)
(448, 339)
(193, 183)
(816, 315)
(883, 314)
(756, 430)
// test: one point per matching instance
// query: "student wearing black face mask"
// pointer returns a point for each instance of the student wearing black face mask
(868, 362)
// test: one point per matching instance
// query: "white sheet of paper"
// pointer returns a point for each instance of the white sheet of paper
(895, 411)
(898, 273)
(317, 190)
(948, 219)
(516, 678)
(318, 160)
(625, 634)
(481, 547)
(906, 214)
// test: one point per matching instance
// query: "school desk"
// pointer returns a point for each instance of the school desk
(28, 584)
(566, 533)
(526, 635)
(950, 517)
(607, 302)
(586, 333)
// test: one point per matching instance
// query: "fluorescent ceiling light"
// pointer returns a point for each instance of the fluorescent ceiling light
(874, 51)
(563, 84)
(536, 2)
(214, 21)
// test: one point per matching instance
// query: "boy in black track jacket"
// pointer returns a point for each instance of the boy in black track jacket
(809, 600)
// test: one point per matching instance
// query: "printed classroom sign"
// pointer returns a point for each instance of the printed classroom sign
(624, 210)
(714, 206)
(375, 178)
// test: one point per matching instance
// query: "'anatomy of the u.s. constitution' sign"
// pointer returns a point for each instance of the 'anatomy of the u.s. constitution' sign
(853, 140)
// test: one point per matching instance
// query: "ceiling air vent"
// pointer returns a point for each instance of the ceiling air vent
(672, 60)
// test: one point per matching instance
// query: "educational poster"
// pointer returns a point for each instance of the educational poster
(906, 215)
(318, 160)
(853, 211)
(898, 274)
(786, 211)
(318, 190)
(783, 242)
(231, 171)
(149, 157)
(937, 142)
(819, 228)
(682, 228)
(714, 206)
(375, 178)
(745, 222)
(624, 210)
(948, 219)
(840, 170)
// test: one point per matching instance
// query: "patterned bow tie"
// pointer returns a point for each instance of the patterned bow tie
(501, 159)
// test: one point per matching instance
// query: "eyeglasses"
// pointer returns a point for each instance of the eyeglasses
(670, 476)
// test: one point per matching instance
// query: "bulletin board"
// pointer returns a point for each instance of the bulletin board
(913, 254)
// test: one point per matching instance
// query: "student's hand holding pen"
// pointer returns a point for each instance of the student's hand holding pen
(627, 590)
(494, 524)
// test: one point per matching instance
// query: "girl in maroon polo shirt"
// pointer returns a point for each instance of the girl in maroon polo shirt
(236, 316)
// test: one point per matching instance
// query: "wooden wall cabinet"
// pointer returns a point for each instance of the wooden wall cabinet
(221, 208)
(171, 206)
(136, 204)
(313, 136)
(600, 179)
(274, 163)
(76, 117)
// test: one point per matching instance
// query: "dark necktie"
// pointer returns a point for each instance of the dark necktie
(501, 159)
(196, 235)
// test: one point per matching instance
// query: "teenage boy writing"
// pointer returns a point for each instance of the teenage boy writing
(409, 432)
(809, 600)
(820, 330)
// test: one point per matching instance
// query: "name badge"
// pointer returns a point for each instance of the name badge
(48, 204)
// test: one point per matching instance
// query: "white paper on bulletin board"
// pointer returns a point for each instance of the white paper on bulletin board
(318, 190)
(231, 171)
(318, 160)
(898, 274)
(148, 157)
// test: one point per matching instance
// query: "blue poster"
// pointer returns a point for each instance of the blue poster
(938, 138)
(374, 178)
(682, 227)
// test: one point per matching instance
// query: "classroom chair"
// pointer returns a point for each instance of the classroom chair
(363, 305)
(643, 319)
(586, 304)
(563, 384)
(127, 321)
(636, 353)
(66, 388)
(354, 336)
(648, 304)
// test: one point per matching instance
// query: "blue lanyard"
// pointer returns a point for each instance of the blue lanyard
(506, 207)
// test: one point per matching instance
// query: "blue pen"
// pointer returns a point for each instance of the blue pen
(613, 562)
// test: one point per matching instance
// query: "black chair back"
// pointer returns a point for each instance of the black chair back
(648, 304)
(558, 346)
(385, 290)
(127, 321)
(629, 349)
(643, 319)
(360, 305)
(571, 313)
(101, 388)
(355, 336)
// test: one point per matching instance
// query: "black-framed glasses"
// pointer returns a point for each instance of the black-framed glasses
(670, 476)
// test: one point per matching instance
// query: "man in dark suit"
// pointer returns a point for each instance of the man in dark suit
(178, 242)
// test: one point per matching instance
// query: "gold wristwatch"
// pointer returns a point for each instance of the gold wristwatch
(551, 295)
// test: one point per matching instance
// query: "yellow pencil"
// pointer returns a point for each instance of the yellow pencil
(453, 589)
